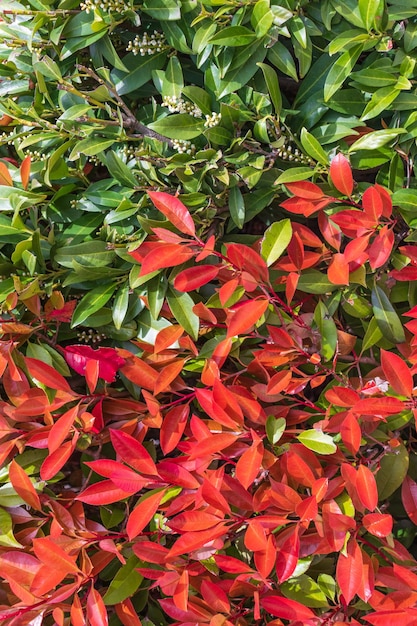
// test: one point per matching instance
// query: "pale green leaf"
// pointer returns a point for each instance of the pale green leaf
(275, 240)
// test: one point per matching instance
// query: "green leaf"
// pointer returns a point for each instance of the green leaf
(341, 70)
(89, 253)
(233, 36)
(294, 174)
(372, 335)
(119, 170)
(162, 9)
(275, 240)
(327, 329)
(313, 281)
(313, 147)
(317, 441)
(347, 39)
(282, 59)
(369, 10)
(199, 97)
(179, 126)
(262, 17)
(173, 81)
(406, 199)
(237, 206)
(120, 305)
(305, 590)
(92, 302)
(387, 319)
(376, 139)
(48, 68)
(272, 84)
(156, 289)
(275, 428)
(125, 583)
(393, 468)
(140, 71)
(380, 101)
(181, 305)
(90, 147)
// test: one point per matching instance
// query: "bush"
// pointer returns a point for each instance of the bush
(208, 260)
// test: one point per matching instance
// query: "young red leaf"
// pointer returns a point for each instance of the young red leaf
(127, 614)
(143, 513)
(215, 596)
(250, 464)
(351, 433)
(305, 189)
(60, 430)
(279, 382)
(247, 260)
(409, 498)
(288, 553)
(5, 178)
(195, 277)
(349, 571)
(245, 316)
(212, 445)
(46, 375)
(286, 609)
(366, 487)
(132, 452)
(173, 427)
(255, 536)
(96, 610)
(342, 396)
(169, 255)
(397, 373)
(76, 613)
(174, 210)
(23, 486)
(338, 270)
(378, 524)
(341, 174)
(91, 373)
(123, 477)
(372, 203)
(180, 596)
(167, 375)
(380, 249)
(104, 492)
(53, 463)
(167, 337)
(193, 520)
(107, 359)
(196, 540)
(139, 372)
(383, 406)
(175, 474)
(51, 553)
(265, 559)
(25, 171)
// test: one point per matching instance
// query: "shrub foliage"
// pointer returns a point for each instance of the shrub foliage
(208, 313)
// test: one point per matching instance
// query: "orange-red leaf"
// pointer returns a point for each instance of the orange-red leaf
(245, 316)
(61, 428)
(305, 189)
(193, 520)
(349, 571)
(46, 375)
(53, 463)
(25, 171)
(174, 210)
(22, 485)
(338, 270)
(341, 174)
(54, 556)
(409, 498)
(131, 451)
(180, 596)
(195, 277)
(279, 382)
(5, 178)
(351, 433)
(211, 445)
(127, 614)
(167, 375)
(169, 255)
(366, 487)
(397, 373)
(286, 608)
(121, 476)
(378, 524)
(143, 513)
(104, 492)
(96, 610)
(167, 337)
(173, 427)
(379, 406)
(250, 464)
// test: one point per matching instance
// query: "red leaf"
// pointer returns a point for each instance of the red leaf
(341, 396)
(341, 174)
(5, 178)
(349, 571)
(167, 337)
(379, 406)
(305, 189)
(127, 614)
(372, 203)
(180, 596)
(255, 536)
(96, 610)
(380, 250)
(193, 520)
(351, 433)
(247, 260)
(25, 171)
(104, 492)
(60, 430)
(19, 566)
(378, 524)
(54, 556)
(167, 375)
(215, 596)
(286, 608)
(397, 373)
(77, 615)
(195, 540)
(338, 270)
(366, 487)
(139, 372)
(23, 486)
(132, 452)
(174, 210)
(211, 445)
(167, 255)
(250, 464)
(231, 565)
(288, 553)
(107, 359)
(143, 513)
(245, 316)
(46, 375)
(409, 498)
(174, 473)
(123, 477)
(279, 382)
(173, 427)
(195, 277)
(53, 463)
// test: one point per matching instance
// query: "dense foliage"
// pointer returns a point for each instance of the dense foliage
(208, 299)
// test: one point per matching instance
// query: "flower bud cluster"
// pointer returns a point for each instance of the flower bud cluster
(147, 44)
(212, 120)
(288, 153)
(179, 105)
(183, 147)
(111, 6)
(91, 336)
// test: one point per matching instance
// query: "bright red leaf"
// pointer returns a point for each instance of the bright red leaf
(174, 210)
(341, 174)
(109, 362)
